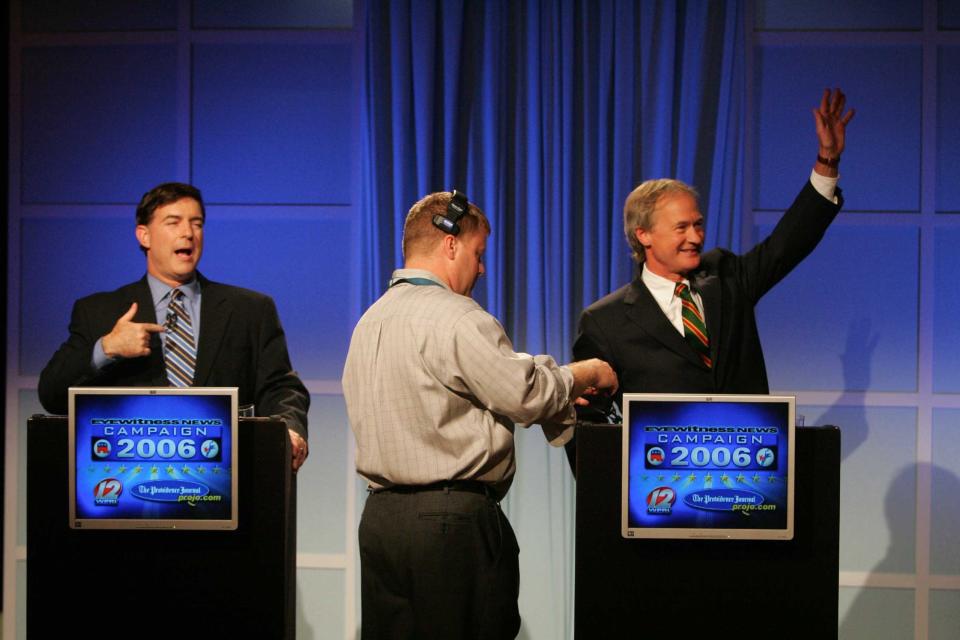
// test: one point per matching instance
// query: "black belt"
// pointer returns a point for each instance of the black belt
(471, 486)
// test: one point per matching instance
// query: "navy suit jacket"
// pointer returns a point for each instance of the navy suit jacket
(242, 344)
(629, 330)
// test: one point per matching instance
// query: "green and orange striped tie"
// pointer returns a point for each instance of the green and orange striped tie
(694, 328)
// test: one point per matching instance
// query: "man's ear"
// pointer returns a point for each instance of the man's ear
(143, 236)
(449, 246)
(643, 237)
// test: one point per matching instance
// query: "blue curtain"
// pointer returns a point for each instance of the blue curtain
(547, 113)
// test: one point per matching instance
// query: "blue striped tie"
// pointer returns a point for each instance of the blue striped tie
(180, 350)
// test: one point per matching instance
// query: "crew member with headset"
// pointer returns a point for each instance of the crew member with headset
(433, 390)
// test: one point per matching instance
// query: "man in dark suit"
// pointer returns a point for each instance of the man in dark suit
(232, 336)
(702, 337)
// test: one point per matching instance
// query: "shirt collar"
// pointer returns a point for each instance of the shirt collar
(160, 290)
(661, 288)
(417, 273)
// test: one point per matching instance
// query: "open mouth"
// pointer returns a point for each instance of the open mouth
(184, 253)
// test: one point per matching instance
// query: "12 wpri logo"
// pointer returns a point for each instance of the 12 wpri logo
(660, 501)
(106, 493)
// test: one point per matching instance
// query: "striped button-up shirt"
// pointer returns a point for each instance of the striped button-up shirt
(433, 389)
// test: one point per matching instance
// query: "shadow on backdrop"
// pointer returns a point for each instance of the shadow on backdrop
(862, 620)
(849, 412)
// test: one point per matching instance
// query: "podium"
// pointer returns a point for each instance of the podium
(650, 588)
(169, 583)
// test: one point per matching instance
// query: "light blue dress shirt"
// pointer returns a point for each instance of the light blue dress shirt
(161, 300)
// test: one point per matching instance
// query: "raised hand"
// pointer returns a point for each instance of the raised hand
(129, 339)
(831, 123)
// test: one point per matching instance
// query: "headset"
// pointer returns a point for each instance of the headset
(455, 210)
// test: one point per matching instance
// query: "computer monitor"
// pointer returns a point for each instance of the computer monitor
(708, 466)
(153, 457)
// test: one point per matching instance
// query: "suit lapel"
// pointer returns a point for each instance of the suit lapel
(645, 312)
(215, 315)
(708, 286)
(146, 312)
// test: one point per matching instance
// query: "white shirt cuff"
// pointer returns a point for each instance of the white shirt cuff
(825, 186)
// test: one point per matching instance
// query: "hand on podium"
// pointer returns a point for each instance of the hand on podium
(299, 450)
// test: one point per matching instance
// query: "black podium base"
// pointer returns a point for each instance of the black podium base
(717, 588)
(170, 584)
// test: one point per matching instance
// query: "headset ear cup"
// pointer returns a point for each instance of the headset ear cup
(456, 209)
(446, 225)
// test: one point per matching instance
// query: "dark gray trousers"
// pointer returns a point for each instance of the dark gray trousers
(437, 564)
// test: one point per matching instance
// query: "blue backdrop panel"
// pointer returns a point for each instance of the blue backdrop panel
(233, 14)
(881, 166)
(99, 123)
(946, 310)
(848, 15)
(272, 123)
(878, 487)
(300, 262)
(945, 481)
(98, 15)
(63, 259)
(949, 12)
(322, 483)
(948, 129)
(828, 312)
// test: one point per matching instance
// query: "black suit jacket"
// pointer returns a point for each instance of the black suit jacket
(242, 344)
(629, 330)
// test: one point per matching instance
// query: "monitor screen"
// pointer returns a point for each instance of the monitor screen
(708, 466)
(153, 457)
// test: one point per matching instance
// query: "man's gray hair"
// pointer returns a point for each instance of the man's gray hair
(640, 205)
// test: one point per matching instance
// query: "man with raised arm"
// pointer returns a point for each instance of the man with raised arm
(686, 323)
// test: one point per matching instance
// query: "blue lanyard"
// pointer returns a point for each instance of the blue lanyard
(416, 281)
